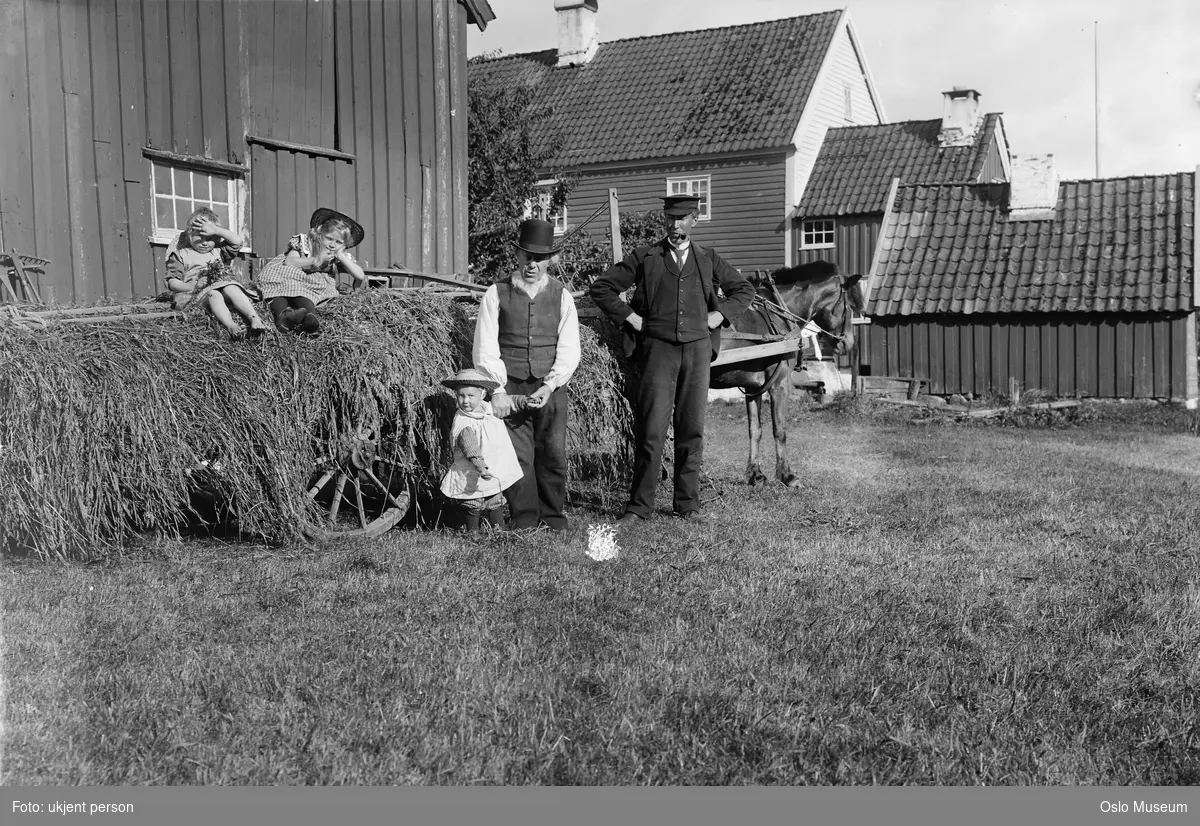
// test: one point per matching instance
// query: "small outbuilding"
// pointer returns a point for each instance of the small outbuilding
(1078, 288)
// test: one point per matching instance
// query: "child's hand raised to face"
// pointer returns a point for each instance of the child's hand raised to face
(204, 226)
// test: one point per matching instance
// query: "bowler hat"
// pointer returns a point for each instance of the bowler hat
(324, 214)
(470, 377)
(680, 204)
(536, 236)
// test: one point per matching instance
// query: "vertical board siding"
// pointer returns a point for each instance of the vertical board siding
(993, 165)
(746, 226)
(135, 170)
(410, 181)
(441, 112)
(101, 80)
(82, 206)
(855, 239)
(1142, 357)
(16, 182)
(108, 152)
(458, 131)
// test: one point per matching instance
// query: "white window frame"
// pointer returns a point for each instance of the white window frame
(698, 185)
(808, 237)
(236, 203)
(558, 217)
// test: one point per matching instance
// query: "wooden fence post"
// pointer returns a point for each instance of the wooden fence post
(614, 217)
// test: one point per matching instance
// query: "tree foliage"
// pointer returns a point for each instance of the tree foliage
(509, 151)
(503, 166)
(582, 257)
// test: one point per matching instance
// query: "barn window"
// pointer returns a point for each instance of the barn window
(817, 234)
(180, 190)
(693, 186)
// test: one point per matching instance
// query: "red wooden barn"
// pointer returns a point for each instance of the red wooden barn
(1076, 287)
(121, 116)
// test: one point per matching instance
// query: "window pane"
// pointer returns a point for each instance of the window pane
(162, 180)
(183, 210)
(183, 183)
(165, 212)
(200, 184)
(222, 214)
(702, 186)
(220, 189)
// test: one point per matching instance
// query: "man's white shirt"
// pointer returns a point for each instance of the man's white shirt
(485, 351)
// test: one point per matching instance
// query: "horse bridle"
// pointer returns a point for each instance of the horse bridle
(847, 317)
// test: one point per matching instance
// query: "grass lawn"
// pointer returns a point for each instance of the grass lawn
(940, 604)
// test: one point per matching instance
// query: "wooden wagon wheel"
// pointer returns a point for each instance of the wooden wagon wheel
(354, 490)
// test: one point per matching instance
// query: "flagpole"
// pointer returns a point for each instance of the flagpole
(1096, 87)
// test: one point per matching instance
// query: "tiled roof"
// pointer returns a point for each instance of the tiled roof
(856, 165)
(735, 88)
(1113, 245)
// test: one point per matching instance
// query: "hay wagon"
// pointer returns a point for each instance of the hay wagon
(352, 478)
(121, 420)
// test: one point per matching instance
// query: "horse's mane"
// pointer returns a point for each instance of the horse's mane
(812, 271)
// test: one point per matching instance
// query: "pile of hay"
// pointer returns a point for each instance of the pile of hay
(102, 427)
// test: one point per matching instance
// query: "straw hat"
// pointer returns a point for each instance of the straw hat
(324, 214)
(470, 378)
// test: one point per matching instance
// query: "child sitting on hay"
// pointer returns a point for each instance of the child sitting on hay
(295, 282)
(199, 273)
(485, 463)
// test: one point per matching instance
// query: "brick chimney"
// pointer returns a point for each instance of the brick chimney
(578, 36)
(960, 117)
(1034, 187)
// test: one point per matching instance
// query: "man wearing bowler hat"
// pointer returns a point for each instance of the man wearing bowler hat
(527, 339)
(673, 331)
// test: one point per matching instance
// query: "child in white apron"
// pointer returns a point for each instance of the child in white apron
(485, 463)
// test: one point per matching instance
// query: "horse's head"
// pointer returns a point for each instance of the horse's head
(818, 291)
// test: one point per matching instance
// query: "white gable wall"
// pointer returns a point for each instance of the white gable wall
(844, 68)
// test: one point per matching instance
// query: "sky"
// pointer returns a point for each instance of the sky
(1033, 60)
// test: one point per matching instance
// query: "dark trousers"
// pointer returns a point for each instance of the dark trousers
(673, 391)
(540, 440)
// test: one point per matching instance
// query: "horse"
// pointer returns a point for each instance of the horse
(816, 292)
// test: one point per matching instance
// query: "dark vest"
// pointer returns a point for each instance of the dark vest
(528, 335)
(679, 311)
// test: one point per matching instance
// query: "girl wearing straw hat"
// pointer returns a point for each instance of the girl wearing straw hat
(294, 283)
(485, 463)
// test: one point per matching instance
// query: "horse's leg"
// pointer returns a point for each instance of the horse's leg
(781, 392)
(754, 474)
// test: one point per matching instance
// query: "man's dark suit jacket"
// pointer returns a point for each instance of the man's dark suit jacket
(647, 267)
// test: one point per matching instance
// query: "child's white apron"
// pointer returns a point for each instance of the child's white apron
(462, 481)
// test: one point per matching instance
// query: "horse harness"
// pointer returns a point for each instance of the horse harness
(778, 307)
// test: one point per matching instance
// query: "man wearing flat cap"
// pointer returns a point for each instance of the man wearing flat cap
(527, 340)
(673, 332)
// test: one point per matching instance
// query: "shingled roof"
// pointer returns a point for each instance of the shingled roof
(735, 88)
(856, 165)
(1113, 245)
